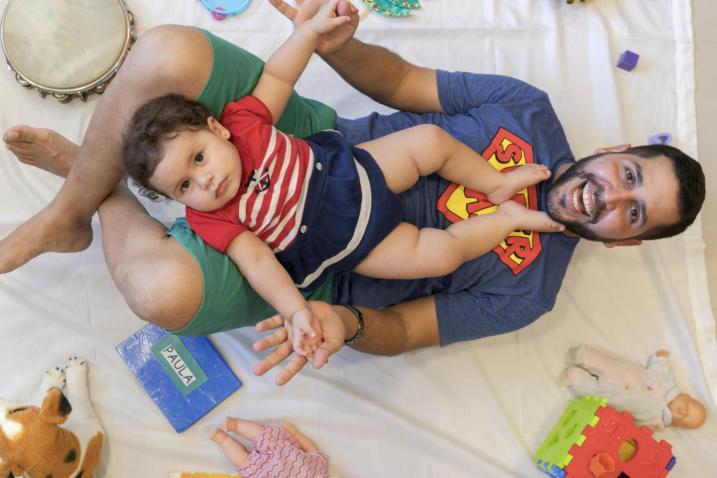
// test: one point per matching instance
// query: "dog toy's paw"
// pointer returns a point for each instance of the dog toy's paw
(76, 366)
(54, 378)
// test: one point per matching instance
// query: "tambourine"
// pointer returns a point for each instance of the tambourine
(66, 48)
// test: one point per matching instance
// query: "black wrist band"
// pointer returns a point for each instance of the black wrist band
(360, 325)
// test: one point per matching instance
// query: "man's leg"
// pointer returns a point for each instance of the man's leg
(158, 278)
(165, 59)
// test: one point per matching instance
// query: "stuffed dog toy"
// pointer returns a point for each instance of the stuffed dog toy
(32, 442)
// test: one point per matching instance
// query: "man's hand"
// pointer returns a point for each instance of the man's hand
(332, 329)
(328, 42)
(304, 332)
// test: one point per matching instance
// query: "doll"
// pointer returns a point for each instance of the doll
(275, 452)
(648, 393)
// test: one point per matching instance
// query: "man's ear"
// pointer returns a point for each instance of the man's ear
(624, 242)
(55, 407)
(217, 128)
(618, 148)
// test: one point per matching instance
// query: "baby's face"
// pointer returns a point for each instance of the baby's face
(686, 411)
(200, 169)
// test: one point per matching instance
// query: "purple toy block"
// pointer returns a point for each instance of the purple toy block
(628, 60)
(660, 138)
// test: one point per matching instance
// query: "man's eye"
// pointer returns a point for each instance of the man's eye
(184, 186)
(633, 214)
(199, 158)
(629, 176)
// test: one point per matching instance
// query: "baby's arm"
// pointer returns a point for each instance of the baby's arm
(269, 279)
(285, 66)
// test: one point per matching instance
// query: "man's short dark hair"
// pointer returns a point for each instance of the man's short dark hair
(691, 183)
(154, 123)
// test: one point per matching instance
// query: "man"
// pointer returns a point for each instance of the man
(619, 197)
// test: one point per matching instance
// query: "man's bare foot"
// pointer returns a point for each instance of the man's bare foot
(49, 230)
(42, 233)
(42, 148)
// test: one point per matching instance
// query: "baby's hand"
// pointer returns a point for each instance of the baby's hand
(524, 218)
(305, 332)
(326, 19)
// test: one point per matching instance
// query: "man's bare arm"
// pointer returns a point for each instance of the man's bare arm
(373, 70)
(391, 331)
(386, 77)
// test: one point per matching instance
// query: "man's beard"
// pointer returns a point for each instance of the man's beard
(555, 202)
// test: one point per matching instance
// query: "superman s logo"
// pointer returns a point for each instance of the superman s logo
(505, 152)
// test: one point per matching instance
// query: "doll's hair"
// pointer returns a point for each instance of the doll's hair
(151, 126)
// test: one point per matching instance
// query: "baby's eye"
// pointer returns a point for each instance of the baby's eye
(184, 186)
(634, 214)
(199, 158)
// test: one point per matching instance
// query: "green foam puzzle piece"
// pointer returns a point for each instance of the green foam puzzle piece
(569, 430)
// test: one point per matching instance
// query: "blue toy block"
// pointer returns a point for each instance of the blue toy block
(628, 60)
(660, 138)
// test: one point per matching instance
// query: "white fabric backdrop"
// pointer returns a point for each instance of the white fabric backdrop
(473, 409)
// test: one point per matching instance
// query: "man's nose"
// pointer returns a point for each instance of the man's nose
(615, 196)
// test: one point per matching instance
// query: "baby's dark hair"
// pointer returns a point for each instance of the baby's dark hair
(151, 126)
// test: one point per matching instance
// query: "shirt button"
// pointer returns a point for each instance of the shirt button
(303, 229)
(319, 167)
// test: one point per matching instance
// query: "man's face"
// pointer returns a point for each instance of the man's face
(615, 196)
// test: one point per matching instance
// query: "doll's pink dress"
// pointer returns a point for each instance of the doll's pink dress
(276, 454)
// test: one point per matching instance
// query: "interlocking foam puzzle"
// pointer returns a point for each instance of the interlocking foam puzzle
(594, 440)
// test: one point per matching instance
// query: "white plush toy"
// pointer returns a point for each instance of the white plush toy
(32, 442)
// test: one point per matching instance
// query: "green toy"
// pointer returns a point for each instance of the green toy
(553, 453)
(393, 8)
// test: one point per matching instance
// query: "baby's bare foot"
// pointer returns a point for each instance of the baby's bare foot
(528, 219)
(518, 179)
(42, 148)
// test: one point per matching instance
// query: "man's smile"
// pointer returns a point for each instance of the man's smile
(584, 201)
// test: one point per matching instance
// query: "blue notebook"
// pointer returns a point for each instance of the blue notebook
(185, 376)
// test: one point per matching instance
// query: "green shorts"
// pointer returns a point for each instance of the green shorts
(228, 301)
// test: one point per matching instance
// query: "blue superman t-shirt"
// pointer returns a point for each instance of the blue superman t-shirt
(510, 123)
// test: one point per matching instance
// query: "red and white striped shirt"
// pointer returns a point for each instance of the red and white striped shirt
(276, 169)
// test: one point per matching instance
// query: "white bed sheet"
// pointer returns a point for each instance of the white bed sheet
(477, 409)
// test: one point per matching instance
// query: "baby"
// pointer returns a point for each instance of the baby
(649, 393)
(289, 211)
